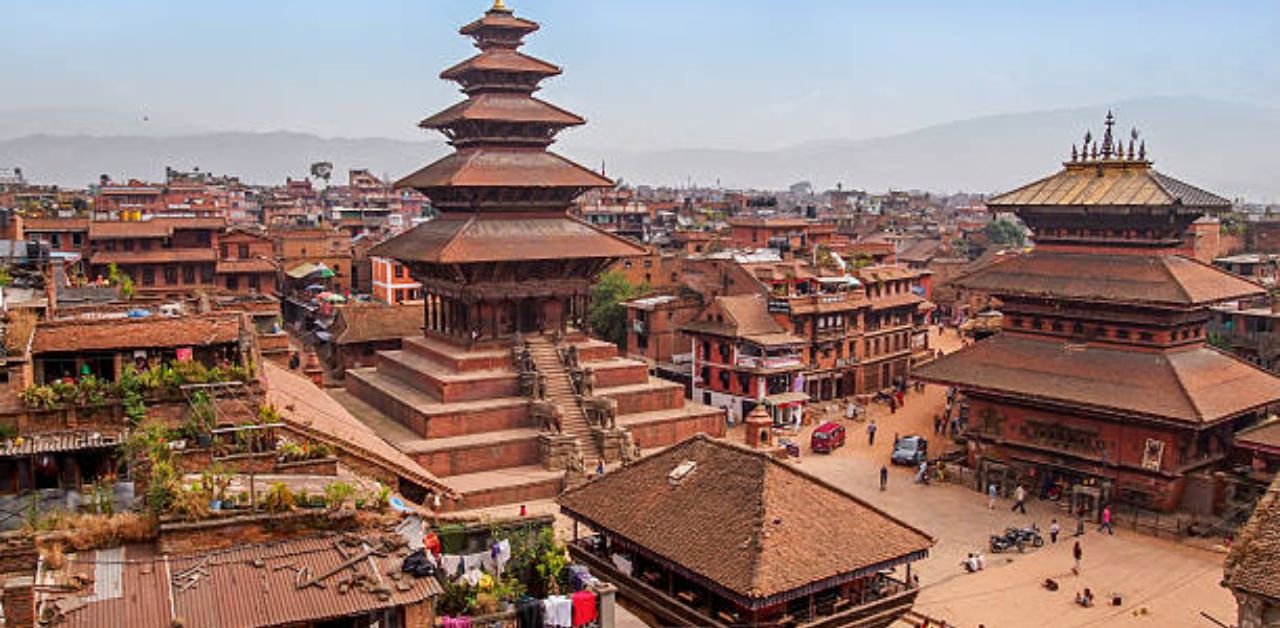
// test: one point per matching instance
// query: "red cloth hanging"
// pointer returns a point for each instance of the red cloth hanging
(431, 543)
(584, 607)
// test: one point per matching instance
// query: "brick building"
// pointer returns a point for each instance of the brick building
(299, 245)
(162, 255)
(1101, 384)
(246, 263)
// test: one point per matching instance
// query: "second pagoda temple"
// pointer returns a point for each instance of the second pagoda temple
(1101, 387)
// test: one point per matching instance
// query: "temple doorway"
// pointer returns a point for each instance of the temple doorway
(528, 316)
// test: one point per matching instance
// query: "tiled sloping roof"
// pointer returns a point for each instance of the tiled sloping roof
(750, 314)
(1253, 565)
(487, 167)
(920, 251)
(742, 521)
(154, 256)
(503, 60)
(136, 333)
(367, 323)
(498, 19)
(308, 409)
(154, 228)
(60, 441)
(1103, 184)
(463, 238)
(141, 591)
(1265, 435)
(1199, 385)
(506, 107)
(251, 265)
(1159, 279)
(55, 224)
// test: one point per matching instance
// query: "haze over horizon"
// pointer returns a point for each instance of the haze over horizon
(659, 75)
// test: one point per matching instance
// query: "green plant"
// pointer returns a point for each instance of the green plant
(201, 417)
(267, 413)
(163, 487)
(382, 498)
(607, 316)
(65, 393)
(291, 452)
(39, 397)
(102, 497)
(279, 498)
(336, 495)
(191, 503)
(8, 431)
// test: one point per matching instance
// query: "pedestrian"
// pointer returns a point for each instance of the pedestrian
(599, 467)
(1053, 531)
(1106, 521)
(294, 361)
(899, 397)
(884, 477)
(893, 404)
(937, 424)
(871, 432)
(849, 412)
(1019, 500)
(1077, 554)
(991, 496)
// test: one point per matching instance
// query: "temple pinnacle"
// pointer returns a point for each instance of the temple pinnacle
(499, 5)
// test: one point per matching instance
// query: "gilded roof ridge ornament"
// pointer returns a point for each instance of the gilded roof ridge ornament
(500, 6)
(1073, 153)
(1142, 151)
(1107, 143)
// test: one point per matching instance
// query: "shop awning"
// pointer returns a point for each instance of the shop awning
(785, 398)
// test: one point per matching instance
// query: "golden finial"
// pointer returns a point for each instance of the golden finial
(499, 5)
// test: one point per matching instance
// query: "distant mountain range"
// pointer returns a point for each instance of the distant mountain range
(1228, 148)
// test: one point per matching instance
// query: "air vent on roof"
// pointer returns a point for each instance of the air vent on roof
(681, 471)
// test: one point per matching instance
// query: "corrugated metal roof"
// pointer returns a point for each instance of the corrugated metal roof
(1108, 183)
(255, 585)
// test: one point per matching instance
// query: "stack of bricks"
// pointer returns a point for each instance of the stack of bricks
(19, 602)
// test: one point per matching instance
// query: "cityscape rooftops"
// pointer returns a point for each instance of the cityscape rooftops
(1254, 559)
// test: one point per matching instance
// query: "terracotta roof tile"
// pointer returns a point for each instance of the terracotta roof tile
(153, 256)
(252, 265)
(307, 408)
(1164, 279)
(367, 323)
(505, 107)
(474, 167)
(69, 336)
(1254, 560)
(1265, 435)
(154, 228)
(56, 224)
(464, 238)
(502, 60)
(1197, 385)
(744, 523)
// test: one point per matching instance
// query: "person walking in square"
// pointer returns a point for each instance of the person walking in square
(1053, 531)
(1077, 554)
(991, 496)
(1080, 522)
(1019, 500)
(1106, 521)
(884, 477)
(871, 432)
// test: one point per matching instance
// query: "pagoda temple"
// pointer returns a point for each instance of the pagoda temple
(1101, 386)
(505, 389)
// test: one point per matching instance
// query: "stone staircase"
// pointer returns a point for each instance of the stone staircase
(560, 390)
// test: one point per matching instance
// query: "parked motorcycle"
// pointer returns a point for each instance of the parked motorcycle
(1030, 534)
(1001, 543)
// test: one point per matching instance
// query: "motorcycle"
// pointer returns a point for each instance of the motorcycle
(1030, 534)
(1001, 543)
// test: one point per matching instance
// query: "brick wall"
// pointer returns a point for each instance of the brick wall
(19, 602)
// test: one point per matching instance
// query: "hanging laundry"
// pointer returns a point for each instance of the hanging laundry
(432, 543)
(584, 607)
(558, 611)
(474, 561)
(501, 554)
(529, 613)
(451, 564)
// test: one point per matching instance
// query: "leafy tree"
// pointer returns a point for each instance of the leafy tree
(1004, 232)
(607, 316)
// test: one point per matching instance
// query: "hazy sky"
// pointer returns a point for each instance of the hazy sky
(646, 73)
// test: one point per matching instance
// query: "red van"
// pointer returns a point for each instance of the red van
(827, 437)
